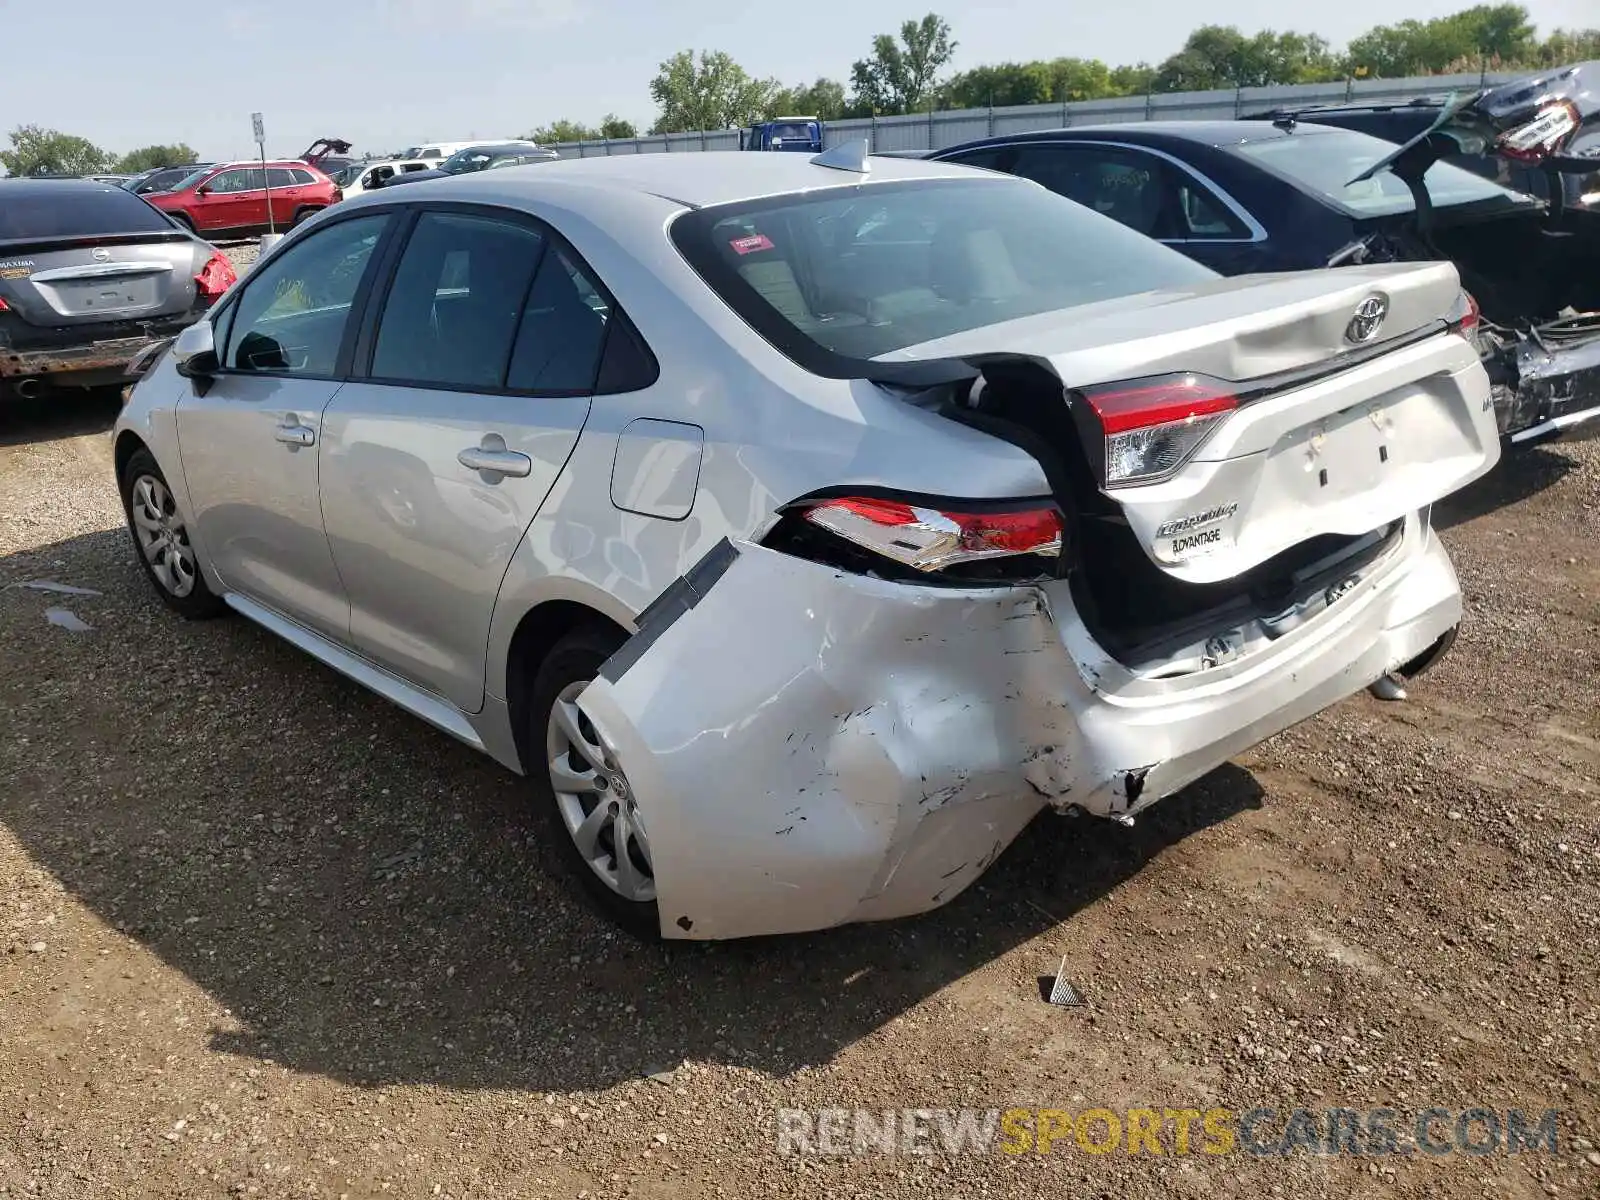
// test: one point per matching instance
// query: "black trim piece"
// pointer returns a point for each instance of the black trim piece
(683, 594)
(627, 364)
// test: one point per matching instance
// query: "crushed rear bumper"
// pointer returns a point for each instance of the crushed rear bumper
(85, 355)
(1558, 390)
(809, 748)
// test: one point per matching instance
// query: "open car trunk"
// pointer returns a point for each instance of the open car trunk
(1535, 272)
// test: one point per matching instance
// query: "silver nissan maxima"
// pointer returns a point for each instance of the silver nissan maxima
(802, 527)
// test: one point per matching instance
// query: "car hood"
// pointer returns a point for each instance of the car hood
(1551, 118)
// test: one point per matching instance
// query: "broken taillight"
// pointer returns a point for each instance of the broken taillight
(1542, 136)
(930, 539)
(216, 277)
(1464, 315)
(1152, 426)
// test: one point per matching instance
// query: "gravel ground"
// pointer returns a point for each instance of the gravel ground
(263, 934)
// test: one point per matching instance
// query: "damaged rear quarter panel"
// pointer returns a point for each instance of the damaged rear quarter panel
(810, 747)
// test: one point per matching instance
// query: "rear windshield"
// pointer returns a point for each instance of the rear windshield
(839, 276)
(1324, 163)
(52, 212)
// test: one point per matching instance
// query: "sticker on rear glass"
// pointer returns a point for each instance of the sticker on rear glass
(751, 244)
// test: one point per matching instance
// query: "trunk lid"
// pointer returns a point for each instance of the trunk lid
(1551, 119)
(1346, 405)
(88, 281)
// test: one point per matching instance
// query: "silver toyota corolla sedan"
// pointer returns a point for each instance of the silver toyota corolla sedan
(801, 528)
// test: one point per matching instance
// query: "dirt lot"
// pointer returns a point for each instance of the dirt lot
(262, 934)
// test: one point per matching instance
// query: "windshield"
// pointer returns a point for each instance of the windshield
(1326, 161)
(860, 272)
(474, 158)
(345, 176)
(795, 130)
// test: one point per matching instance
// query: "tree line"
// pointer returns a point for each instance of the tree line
(38, 151)
(906, 72)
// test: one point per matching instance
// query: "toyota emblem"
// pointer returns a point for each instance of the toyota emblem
(100, 254)
(1368, 319)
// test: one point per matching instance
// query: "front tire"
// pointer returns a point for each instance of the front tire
(580, 792)
(161, 540)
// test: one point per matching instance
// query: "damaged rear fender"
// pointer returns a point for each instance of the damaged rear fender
(809, 747)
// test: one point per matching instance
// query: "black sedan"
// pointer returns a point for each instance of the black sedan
(1250, 196)
(90, 277)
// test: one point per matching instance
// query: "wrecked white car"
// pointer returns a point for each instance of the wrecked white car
(801, 528)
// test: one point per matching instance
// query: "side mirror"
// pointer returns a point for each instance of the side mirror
(195, 351)
(203, 190)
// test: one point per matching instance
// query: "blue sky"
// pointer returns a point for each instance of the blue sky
(386, 73)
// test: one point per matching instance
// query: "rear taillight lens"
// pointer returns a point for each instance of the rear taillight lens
(4, 307)
(1464, 316)
(1152, 426)
(1542, 136)
(930, 539)
(217, 276)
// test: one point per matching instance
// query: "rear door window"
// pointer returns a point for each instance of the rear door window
(1141, 190)
(282, 177)
(453, 311)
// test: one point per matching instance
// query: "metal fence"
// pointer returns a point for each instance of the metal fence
(936, 130)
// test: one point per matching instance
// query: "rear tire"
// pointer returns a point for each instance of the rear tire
(593, 809)
(161, 541)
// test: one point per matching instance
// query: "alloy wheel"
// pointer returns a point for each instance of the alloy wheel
(163, 537)
(596, 803)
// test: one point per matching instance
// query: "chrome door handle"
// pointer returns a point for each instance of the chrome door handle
(495, 462)
(295, 435)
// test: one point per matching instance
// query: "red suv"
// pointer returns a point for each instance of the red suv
(231, 198)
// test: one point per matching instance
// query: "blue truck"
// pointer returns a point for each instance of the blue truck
(799, 134)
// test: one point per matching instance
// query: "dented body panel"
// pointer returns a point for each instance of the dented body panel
(859, 749)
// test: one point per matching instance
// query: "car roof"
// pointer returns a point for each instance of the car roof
(711, 177)
(1208, 133)
(511, 145)
(48, 184)
(254, 162)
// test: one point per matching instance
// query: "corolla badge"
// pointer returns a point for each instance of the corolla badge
(1368, 319)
